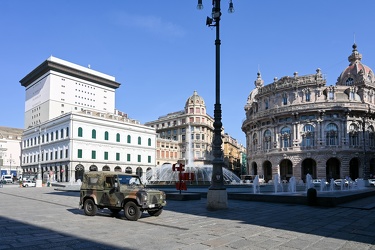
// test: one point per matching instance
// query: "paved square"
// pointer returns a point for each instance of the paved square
(43, 218)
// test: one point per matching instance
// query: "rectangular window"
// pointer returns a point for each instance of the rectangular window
(117, 156)
(79, 153)
(66, 153)
(149, 159)
(139, 158)
(93, 154)
(128, 157)
(61, 154)
(105, 155)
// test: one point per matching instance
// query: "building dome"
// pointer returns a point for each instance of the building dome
(356, 73)
(194, 100)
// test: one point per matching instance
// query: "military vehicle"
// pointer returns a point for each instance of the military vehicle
(117, 191)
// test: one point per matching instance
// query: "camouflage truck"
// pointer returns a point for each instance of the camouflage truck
(117, 191)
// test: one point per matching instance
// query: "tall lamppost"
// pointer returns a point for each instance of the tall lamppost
(39, 175)
(10, 160)
(217, 194)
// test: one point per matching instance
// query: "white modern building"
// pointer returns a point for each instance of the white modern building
(72, 126)
(10, 151)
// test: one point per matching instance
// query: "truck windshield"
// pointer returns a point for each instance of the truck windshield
(126, 180)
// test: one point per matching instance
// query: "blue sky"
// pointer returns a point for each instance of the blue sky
(161, 51)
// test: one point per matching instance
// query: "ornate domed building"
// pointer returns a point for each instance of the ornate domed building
(297, 125)
(187, 135)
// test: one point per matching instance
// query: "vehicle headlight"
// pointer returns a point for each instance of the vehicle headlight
(144, 197)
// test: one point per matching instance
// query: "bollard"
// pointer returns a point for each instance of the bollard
(312, 197)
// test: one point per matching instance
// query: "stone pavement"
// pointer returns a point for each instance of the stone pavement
(44, 218)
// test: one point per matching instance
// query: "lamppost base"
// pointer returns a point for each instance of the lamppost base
(217, 199)
(38, 183)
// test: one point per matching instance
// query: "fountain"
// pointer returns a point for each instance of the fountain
(277, 183)
(292, 186)
(256, 187)
(163, 174)
(323, 185)
(309, 183)
(332, 185)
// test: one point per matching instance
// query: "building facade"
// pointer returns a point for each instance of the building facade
(298, 125)
(10, 151)
(71, 125)
(186, 136)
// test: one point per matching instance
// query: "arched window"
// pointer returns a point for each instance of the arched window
(106, 135)
(267, 140)
(149, 141)
(93, 134)
(349, 81)
(129, 139)
(139, 140)
(285, 99)
(353, 135)
(308, 136)
(118, 137)
(255, 142)
(331, 95)
(80, 132)
(371, 136)
(139, 171)
(307, 96)
(331, 135)
(285, 137)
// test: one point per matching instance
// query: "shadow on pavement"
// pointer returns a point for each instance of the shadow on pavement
(16, 234)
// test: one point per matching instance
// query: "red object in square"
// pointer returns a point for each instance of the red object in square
(181, 185)
(186, 176)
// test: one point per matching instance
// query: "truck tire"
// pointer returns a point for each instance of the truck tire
(90, 207)
(132, 211)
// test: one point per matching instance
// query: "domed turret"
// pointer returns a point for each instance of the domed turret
(195, 101)
(356, 73)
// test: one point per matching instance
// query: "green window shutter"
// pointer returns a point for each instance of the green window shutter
(80, 132)
(106, 135)
(149, 159)
(117, 137)
(139, 140)
(93, 154)
(149, 141)
(117, 156)
(105, 155)
(129, 139)
(93, 134)
(79, 153)
(128, 157)
(139, 158)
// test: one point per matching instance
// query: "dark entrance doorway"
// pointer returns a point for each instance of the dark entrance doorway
(254, 168)
(79, 172)
(333, 169)
(267, 171)
(308, 167)
(354, 168)
(286, 169)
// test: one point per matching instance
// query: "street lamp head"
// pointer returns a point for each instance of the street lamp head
(200, 5)
(209, 21)
(230, 9)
